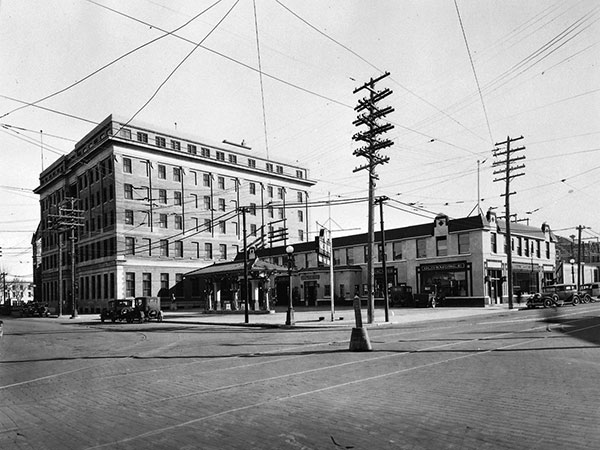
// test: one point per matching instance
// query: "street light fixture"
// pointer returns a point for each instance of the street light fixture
(572, 261)
(289, 320)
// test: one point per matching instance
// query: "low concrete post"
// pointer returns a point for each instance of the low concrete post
(359, 340)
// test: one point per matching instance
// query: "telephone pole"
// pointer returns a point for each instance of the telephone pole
(509, 171)
(386, 298)
(371, 114)
(68, 219)
(580, 259)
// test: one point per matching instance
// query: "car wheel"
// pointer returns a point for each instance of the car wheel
(547, 303)
(587, 298)
(576, 300)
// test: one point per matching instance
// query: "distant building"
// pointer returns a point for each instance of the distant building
(154, 205)
(572, 259)
(16, 291)
(465, 258)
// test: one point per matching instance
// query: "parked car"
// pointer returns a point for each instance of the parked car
(590, 292)
(145, 309)
(537, 299)
(34, 309)
(430, 297)
(116, 310)
(562, 294)
(401, 296)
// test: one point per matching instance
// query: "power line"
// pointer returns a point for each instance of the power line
(180, 63)
(487, 121)
(376, 68)
(260, 76)
(222, 55)
(71, 116)
(105, 66)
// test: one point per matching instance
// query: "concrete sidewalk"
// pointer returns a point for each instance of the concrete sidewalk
(321, 317)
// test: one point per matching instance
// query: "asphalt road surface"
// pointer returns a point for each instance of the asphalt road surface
(525, 380)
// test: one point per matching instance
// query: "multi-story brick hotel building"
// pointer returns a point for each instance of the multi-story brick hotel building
(154, 205)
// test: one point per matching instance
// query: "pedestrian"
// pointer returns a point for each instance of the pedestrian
(173, 303)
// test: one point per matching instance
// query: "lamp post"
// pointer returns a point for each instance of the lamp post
(572, 261)
(289, 320)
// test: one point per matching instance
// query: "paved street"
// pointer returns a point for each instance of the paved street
(435, 379)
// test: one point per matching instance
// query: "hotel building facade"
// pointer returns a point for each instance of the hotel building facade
(151, 205)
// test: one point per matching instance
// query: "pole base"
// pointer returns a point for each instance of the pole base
(289, 318)
(359, 340)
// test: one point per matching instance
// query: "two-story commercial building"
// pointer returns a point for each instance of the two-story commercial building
(465, 258)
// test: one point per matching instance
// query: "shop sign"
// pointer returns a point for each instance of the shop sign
(525, 267)
(449, 266)
(310, 277)
(492, 264)
(390, 270)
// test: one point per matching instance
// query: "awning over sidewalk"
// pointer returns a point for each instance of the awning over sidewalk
(255, 266)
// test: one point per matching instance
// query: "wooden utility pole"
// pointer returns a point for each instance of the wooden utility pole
(386, 298)
(580, 261)
(68, 218)
(509, 172)
(246, 290)
(370, 117)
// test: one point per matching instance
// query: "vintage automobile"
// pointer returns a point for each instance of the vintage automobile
(537, 299)
(430, 297)
(145, 309)
(401, 296)
(561, 294)
(34, 309)
(590, 292)
(117, 310)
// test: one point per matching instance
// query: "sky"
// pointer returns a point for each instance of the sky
(465, 76)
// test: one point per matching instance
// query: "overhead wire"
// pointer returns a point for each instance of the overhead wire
(487, 120)
(105, 66)
(157, 90)
(260, 76)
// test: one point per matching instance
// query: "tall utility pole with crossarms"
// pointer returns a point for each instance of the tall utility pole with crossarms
(370, 114)
(509, 171)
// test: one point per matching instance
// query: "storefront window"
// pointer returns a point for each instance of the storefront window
(447, 279)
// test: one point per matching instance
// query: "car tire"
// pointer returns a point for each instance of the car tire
(576, 300)
(587, 298)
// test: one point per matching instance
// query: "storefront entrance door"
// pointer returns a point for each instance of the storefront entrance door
(310, 293)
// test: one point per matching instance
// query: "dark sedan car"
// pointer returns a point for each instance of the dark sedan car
(562, 294)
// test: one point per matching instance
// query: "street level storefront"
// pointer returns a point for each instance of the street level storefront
(453, 279)
(221, 286)
(313, 285)
(463, 260)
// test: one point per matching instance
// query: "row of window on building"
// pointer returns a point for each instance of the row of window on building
(175, 249)
(522, 246)
(205, 152)
(147, 287)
